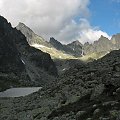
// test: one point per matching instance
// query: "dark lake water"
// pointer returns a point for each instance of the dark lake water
(18, 92)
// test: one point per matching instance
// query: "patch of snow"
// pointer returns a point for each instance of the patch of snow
(60, 56)
(64, 69)
(22, 61)
(38, 46)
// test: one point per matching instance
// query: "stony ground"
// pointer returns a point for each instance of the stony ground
(85, 92)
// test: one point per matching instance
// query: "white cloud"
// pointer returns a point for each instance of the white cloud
(92, 35)
(83, 32)
(52, 18)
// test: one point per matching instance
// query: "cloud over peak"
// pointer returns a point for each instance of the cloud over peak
(55, 18)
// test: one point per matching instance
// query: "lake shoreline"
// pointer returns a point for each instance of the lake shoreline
(18, 92)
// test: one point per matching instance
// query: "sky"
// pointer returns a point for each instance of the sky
(65, 20)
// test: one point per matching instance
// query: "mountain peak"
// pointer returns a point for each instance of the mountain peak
(22, 26)
(103, 38)
(55, 43)
(32, 38)
(76, 43)
(52, 39)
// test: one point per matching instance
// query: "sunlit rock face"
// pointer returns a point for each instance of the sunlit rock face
(32, 38)
(116, 41)
(103, 45)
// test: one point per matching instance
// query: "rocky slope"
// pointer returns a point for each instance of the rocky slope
(20, 63)
(12, 69)
(85, 92)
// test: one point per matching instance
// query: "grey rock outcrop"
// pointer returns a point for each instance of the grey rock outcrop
(116, 41)
(103, 45)
(32, 38)
(77, 47)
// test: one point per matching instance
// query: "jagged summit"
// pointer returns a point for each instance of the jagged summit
(56, 43)
(21, 24)
(74, 48)
(101, 46)
(23, 28)
(77, 47)
(32, 38)
(103, 38)
(76, 43)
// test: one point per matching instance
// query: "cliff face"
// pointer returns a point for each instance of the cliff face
(32, 38)
(12, 70)
(20, 60)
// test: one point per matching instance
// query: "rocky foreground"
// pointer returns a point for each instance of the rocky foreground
(86, 92)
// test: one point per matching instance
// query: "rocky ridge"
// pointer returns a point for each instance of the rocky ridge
(32, 38)
(72, 50)
(103, 45)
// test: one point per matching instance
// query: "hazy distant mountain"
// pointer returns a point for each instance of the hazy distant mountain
(102, 45)
(74, 48)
